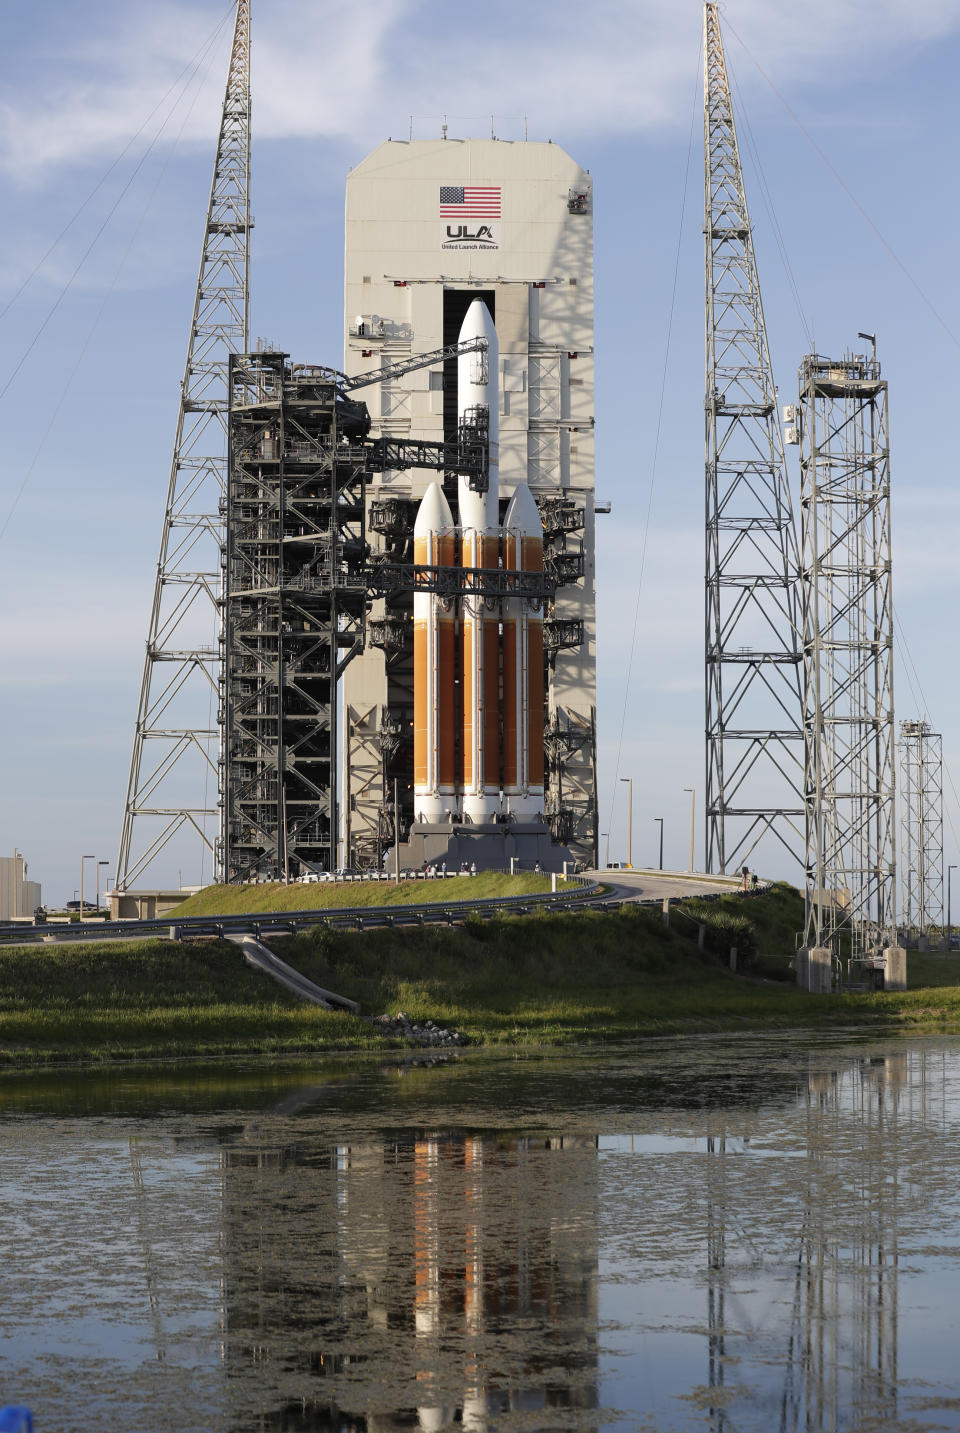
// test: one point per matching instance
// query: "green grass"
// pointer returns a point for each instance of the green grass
(588, 976)
(148, 999)
(535, 980)
(775, 916)
(250, 900)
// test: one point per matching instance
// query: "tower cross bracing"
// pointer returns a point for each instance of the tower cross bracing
(848, 655)
(753, 701)
(920, 803)
(173, 782)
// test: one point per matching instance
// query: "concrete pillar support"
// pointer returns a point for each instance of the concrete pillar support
(815, 970)
(895, 971)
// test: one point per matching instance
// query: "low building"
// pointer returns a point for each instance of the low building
(147, 905)
(18, 896)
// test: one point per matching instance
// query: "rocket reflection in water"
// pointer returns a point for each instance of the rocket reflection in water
(435, 1296)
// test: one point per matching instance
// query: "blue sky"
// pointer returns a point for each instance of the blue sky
(99, 337)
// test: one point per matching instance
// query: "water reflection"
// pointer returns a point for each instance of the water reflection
(716, 1234)
(428, 1277)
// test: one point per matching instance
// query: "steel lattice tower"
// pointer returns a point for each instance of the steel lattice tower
(753, 701)
(173, 782)
(847, 654)
(920, 803)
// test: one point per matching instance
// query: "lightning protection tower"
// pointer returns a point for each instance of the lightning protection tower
(173, 782)
(753, 701)
(921, 826)
(847, 655)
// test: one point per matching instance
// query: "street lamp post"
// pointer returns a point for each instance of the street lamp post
(629, 783)
(605, 835)
(99, 864)
(693, 817)
(660, 819)
(82, 869)
(949, 923)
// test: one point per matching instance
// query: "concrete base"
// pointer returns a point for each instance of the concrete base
(895, 968)
(147, 905)
(487, 847)
(815, 969)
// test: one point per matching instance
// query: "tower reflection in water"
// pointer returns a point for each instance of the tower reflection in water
(803, 1269)
(412, 1281)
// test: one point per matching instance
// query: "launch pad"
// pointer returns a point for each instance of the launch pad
(303, 543)
(413, 656)
(521, 845)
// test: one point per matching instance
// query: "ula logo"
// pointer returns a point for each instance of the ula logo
(483, 235)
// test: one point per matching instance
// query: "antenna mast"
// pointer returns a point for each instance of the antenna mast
(754, 736)
(174, 776)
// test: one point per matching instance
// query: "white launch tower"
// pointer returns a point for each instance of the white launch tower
(430, 227)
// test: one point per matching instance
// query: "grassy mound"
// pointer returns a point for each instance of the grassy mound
(540, 979)
(766, 928)
(147, 999)
(333, 895)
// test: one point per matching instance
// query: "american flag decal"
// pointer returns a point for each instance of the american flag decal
(472, 201)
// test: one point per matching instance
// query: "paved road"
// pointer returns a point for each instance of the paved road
(658, 885)
(633, 885)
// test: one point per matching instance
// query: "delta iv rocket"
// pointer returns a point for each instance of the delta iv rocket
(501, 743)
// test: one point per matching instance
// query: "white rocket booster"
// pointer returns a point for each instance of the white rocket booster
(434, 645)
(523, 662)
(477, 389)
(438, 786)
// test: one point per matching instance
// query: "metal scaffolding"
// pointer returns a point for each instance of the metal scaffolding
(847, 655)
(295, 601)
(921, 827)
(753, 700)
(173, 781)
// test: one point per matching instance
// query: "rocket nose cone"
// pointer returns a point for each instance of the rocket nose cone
(477, 323)
(522, 515)
(433, 514)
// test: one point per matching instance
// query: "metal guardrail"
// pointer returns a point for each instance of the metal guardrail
(346, 917)
(339, 918)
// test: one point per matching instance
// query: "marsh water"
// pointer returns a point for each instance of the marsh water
(739, 1233)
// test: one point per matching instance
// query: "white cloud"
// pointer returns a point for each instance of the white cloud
(358, 71)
